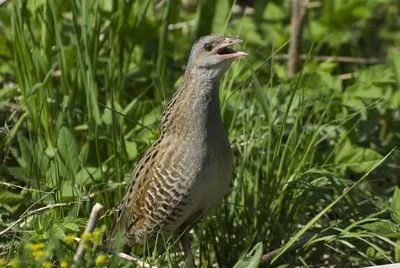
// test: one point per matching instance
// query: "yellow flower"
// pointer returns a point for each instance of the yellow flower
(14, 263)
(101, 260)
(38, 250)
(69, 239)
(86, 237)
(35, 247)
(2, 263)
(38, 254)
(96, 237)
(64, 264)
(47, 264)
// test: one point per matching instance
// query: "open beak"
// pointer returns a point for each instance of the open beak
(228, 53)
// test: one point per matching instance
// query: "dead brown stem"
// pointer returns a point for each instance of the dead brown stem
(299, 8)
(91, 224)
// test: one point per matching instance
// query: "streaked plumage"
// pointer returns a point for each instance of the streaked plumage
(188, 170)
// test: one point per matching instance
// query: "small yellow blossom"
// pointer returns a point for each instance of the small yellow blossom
(64, 264)
(96, 237)
(2, 263)
(38, 254)
(86, 237)
(35, 247)
(69, 239)
(101, 260)
(14, 263)
(47, 264)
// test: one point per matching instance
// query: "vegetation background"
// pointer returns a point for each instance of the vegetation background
(82, 87)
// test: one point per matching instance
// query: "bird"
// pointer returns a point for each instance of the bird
(189, 169)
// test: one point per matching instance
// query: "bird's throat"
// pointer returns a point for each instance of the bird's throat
(195, 106)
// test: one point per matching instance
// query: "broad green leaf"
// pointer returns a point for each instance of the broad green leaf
(56, 232)
(51, 176)
(27, 158)
(394, 101)
(108, 113)
(353, 102)
(67, 190)
(41, 160)
(4, 50)
(356, 158)
(10, 208)
(105, 5)
(24, 176)
(318, 30)
(84, 154)
(379, 74)
(81, 222)
(73, 227)
(371, 252)
(397, 251)
(5, 17)
(394, 59)
(251, 259)
(205, 264)
(34, 5)
(25, 149)
(381, 228)
(8, 197)
(321, 82)
(50, 151)
(39, 85)
(106, 118)
(68, 149)
(274, 12)
(367, 91)
(395, 206)
(87, 175)
(329, 67)
(362, 12)
(131, 149)
(250, 31)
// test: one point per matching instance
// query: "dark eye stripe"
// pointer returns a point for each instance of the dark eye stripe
(208, 47)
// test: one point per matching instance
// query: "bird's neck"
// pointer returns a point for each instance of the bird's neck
(195, 107)
(205, 91)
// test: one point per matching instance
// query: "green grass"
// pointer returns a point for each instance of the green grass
(82, 87)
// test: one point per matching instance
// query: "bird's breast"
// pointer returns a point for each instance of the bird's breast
(213, 160)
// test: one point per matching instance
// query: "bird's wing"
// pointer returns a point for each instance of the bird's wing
(140, 177)
(152, 196)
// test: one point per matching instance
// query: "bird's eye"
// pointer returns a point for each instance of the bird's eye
(208, 47)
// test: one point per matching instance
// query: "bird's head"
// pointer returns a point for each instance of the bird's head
(213, 52)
